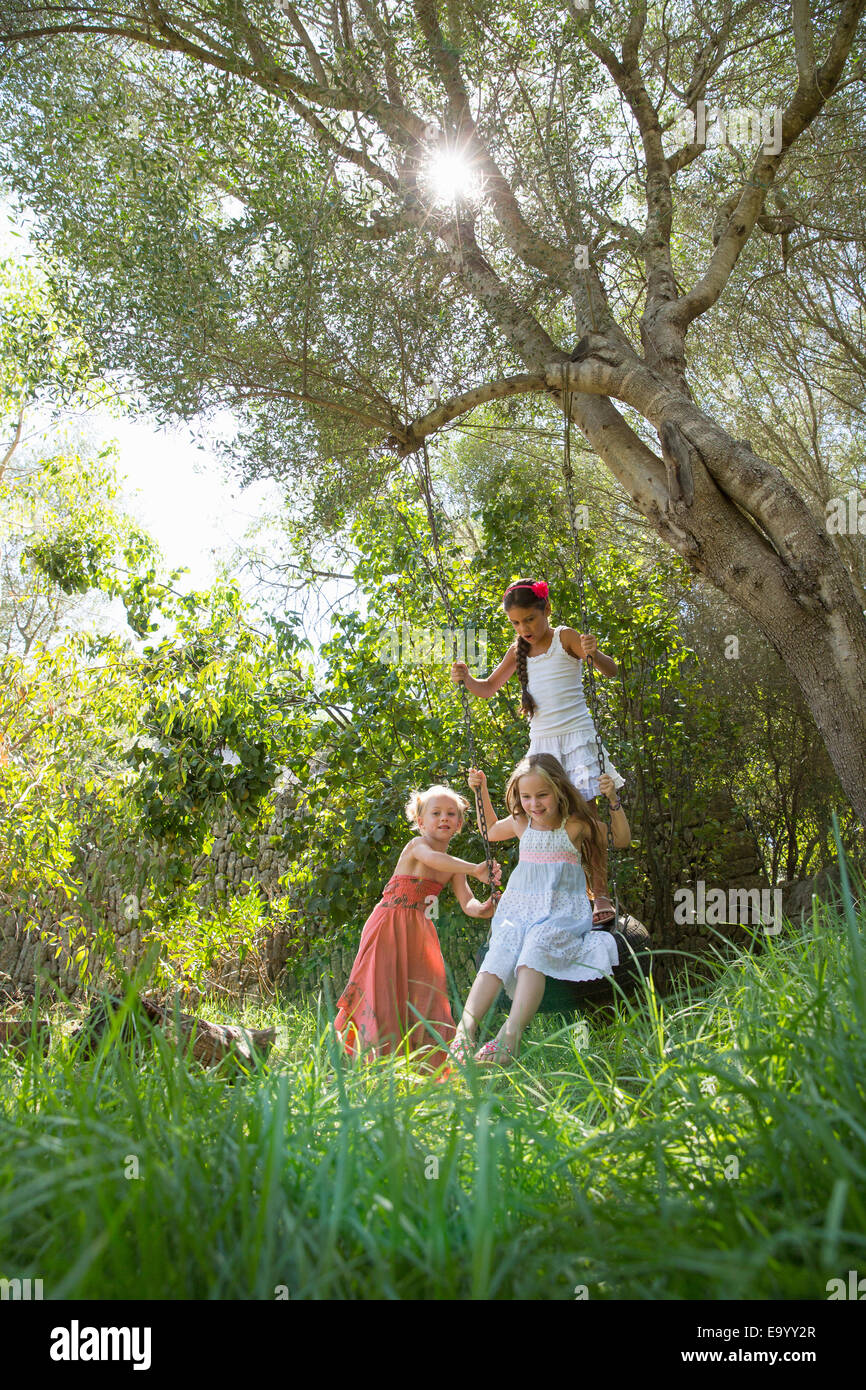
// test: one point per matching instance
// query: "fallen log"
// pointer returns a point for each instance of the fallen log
(208, 1043)
(16, 1033)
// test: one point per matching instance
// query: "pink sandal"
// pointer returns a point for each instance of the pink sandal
(460, 1050)
(603, 916)
(493, 1053)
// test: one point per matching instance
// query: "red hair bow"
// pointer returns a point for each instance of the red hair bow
(539, 588)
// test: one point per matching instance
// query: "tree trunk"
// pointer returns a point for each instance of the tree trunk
(738, 522)
(810, 619)
(209, 1043)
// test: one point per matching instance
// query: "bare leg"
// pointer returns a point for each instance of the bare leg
(528, 994)
(599, 877)
(485, 988)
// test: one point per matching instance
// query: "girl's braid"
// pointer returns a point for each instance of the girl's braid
(527, 704)
(523, 593)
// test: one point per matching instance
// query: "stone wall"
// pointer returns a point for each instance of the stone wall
(117, 906)
(225, 870)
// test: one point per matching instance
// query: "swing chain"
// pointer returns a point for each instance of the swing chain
(441, 582)
(568, 473)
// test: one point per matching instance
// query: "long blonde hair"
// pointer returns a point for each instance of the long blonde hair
(418, 800)
(568, 800)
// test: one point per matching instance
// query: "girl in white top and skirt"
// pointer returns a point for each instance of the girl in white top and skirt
(549, 665)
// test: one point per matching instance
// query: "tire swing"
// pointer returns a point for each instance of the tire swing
(631, 936)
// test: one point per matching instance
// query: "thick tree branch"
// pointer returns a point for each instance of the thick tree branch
(166, 37)
(804, 45)
(419, 430)
(707, 63)
(532, 249)
(664, 349)
(383, 37)
(757, 487)
(310, 49)
(520, 327)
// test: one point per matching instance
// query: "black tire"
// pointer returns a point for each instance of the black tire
(568, 996)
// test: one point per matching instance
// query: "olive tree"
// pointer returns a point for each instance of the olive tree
(310, 212)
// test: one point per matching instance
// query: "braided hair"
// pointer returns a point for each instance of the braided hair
(522, 595)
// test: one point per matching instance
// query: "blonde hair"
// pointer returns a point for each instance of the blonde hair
(418, 800)
(568, 799)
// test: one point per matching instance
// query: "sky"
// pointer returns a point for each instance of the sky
(179, 493)
(177, 490)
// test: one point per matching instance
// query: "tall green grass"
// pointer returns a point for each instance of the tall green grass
(711, 1145)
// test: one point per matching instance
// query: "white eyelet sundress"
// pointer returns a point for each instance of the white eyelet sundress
(544, 917)
(562, 724)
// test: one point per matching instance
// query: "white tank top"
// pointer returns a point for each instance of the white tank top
(555, 682)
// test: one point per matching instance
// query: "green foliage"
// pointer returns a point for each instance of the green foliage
(104, 746)
(602, 1160)
(770, 756)
(214, 687)
(53, 713)
(138, 751)
(43, 356)
(195, 943)
(83, 543)
(64, 533)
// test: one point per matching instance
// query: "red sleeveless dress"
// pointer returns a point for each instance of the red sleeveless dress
(398, 975)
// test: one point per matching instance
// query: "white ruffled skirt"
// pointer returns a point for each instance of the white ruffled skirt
(555, 947)
(577, 753)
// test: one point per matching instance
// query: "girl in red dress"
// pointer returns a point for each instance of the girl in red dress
(398, 980)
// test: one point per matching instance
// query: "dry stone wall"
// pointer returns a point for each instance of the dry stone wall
(226, 871)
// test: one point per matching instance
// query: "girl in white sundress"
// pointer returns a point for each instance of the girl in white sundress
(549, 665)
(543, 923)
